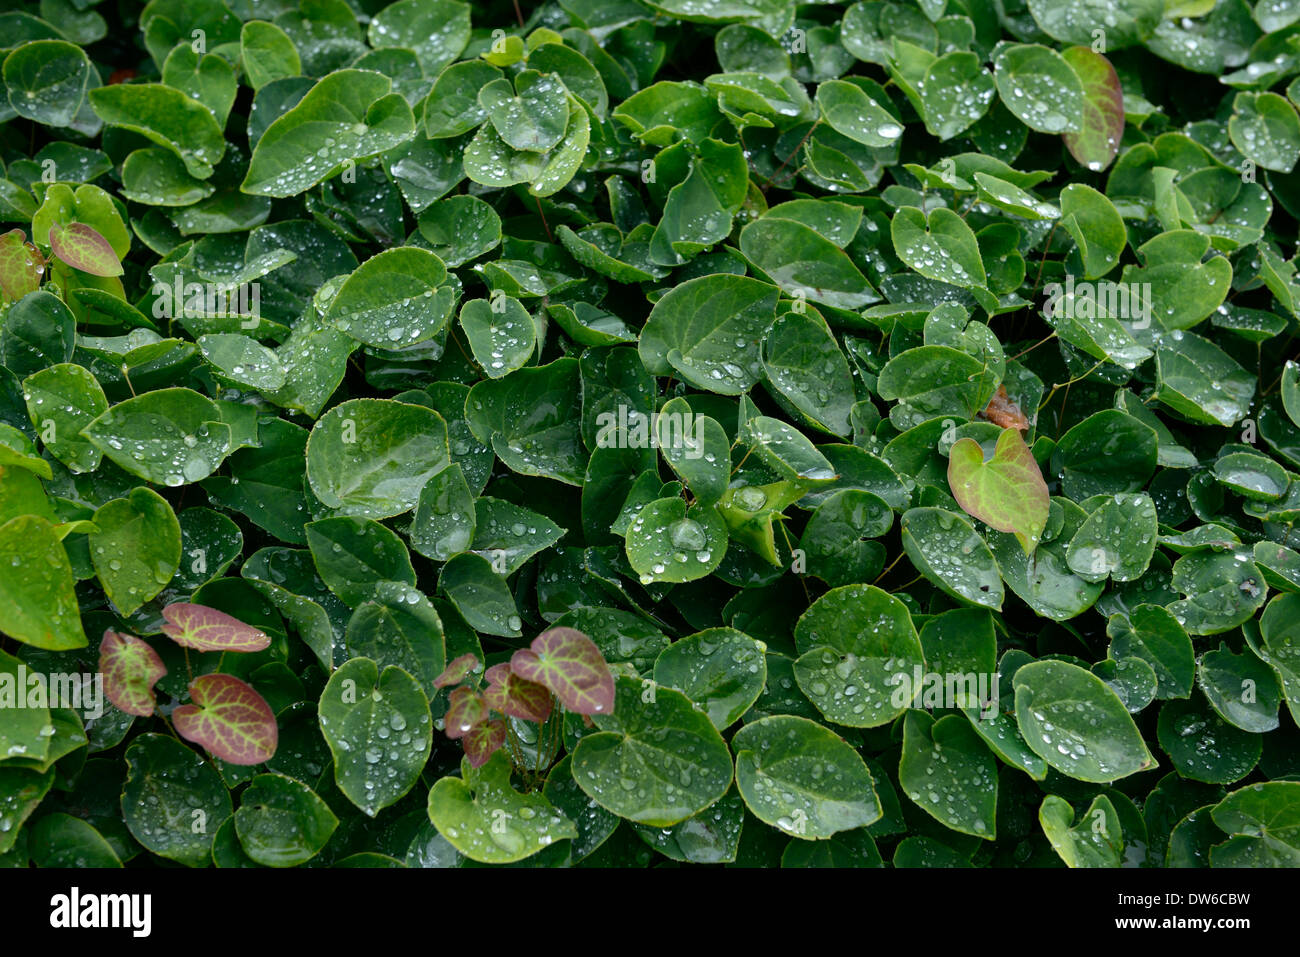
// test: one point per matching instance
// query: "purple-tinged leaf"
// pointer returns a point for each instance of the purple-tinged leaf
(482, 741)
(515, 696)
(21, 265)
(82, 247)
(456, 671)
(130, 668)
(228, 718)
(1097, 143)
(465, 709)
(206, 629)
(568, 663)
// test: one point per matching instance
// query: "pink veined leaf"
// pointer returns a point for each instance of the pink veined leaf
(228, 718)
(456, 671)
(130, 668)
(482, 741)
(21, 265)
(515, 696)
(82, 247)
(465, 709)
(206, 629)
(568, 663)
(498, 673)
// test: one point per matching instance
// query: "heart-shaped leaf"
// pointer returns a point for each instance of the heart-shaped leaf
(228, 718)
(568, 663)
(130, 668)
(1007, 492)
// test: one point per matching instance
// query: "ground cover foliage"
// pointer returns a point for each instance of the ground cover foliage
(650, 433)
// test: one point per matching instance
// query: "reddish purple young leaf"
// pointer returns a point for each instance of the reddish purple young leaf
(21, 265)
(515, 696)
(130, 668)
(456, 671)
(82, 247)
(206, 629)
(465, 709)
(482, 741)
(228, 718)
(568, 663)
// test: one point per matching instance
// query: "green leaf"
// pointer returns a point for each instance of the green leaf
(37, 603)
(805, 264)
(488, 821)
(267, 54)
(1280, 630)
(461, 228)
(500, 332)
(655, 759)
(166, 116)
(47, 81)
(851, 111)
(170, 791)
(721, 669)
(1072, 720)
(1204, 747)
(1262, 821)
(281, 822)
(1265, 127)
(947, 550)
(802, 778)
(669, 542)
(949, 773)
(1096, 841)
(62, 840)
(1106, 453)
(437, 30)
(21, 792)
(36, 332)
(231, 720)
(353, 555)
(168, 437)
(707, 331)
(836, 538)
(394, 300)
(1007, 492)
(1096, 227)
(1152, 633)
(530, 419)
(378, 729)
(352, 108)
(61, 401)
(938, 246)
(858, 649)
(480, 595)
(1118, 539)
(1039, 87)
(1222, 589)
(398, 626)
(370, 457)
(445, 517)
(243, 361)
(956, 91)
(136, 548)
